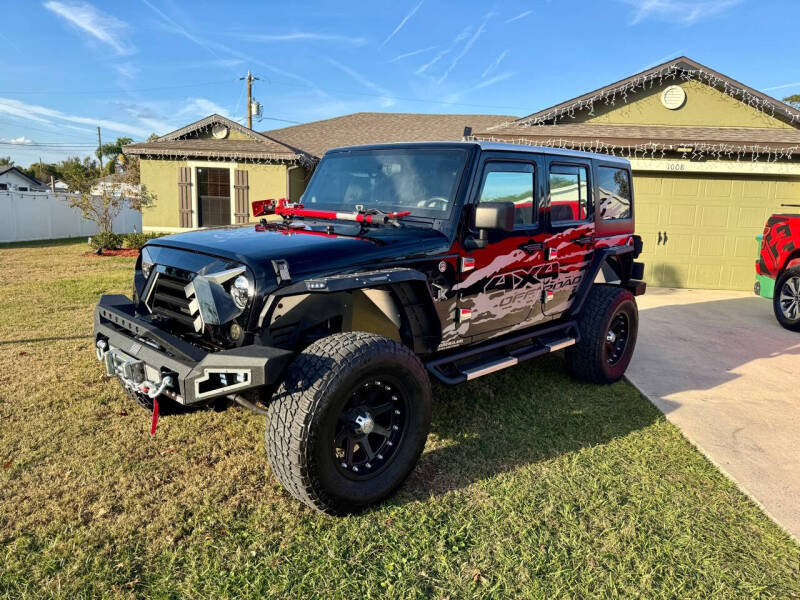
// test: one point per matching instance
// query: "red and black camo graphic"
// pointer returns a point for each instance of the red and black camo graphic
(781, 241)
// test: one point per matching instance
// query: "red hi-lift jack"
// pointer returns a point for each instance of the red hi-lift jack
(287, 210)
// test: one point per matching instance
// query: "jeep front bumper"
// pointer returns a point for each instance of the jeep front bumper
(152, 361)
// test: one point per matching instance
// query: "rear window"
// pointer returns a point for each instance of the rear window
(614, 194)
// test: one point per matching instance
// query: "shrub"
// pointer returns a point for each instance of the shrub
(137, 240)
(106, 240)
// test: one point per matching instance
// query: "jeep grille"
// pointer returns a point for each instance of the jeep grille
(168, 299)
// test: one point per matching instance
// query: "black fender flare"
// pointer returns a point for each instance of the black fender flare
(421, 328)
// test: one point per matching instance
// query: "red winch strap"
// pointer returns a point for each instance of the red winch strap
(155, 417)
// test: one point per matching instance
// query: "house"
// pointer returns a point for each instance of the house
(712, 158)
(13, 179)
(207, 173)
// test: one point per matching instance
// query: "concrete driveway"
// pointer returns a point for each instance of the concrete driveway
(719, 366)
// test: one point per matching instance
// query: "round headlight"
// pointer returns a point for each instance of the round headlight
(240, 291)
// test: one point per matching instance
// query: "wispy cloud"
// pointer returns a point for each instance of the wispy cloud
(464, 34)
(782, 86)
(521, 15)
(495, 64)
(663, 59)
(386, 99)
(454, 98)
(202, 107)
(178, 28)
(42, 114)
(127, 70)
(402, 23)
(20, 141)
(467, 46)
(413, 53)
(682, 12)
(101, 26)
(302, 36)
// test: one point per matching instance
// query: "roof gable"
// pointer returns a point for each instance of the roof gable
(203, 127)
(15, 170)
(682, 71)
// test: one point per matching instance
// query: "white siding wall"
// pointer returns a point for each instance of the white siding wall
(28, 216)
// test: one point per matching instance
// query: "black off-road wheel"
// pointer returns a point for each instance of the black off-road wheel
(349, 421)
(608, 326)
(786, 299)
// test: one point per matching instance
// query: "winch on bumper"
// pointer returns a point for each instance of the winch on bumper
(152, 361)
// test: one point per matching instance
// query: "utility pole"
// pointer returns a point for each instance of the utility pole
(99, 145)
(250, 79)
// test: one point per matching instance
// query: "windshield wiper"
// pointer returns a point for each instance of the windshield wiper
(366, 217)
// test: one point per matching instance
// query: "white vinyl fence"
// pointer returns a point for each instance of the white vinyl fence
(28, 216)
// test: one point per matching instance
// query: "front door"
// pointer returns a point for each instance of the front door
(214, 197)
(500, 286)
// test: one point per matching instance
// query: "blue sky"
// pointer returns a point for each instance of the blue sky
(146, 66)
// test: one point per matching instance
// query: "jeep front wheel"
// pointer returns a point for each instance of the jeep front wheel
(349, 421)
(608, 325)
(786, 299)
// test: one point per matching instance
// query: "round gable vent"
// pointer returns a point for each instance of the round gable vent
(219, 131)
(673, 97)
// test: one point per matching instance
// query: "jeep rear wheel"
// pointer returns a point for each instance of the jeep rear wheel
(608, 326)
(349, 421)
(786, 299)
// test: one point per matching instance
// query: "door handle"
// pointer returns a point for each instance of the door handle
(665, 238)
(659, 239)
(531, 247)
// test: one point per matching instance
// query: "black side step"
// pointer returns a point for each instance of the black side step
(506, 352)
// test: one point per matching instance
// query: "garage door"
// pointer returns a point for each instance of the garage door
(699, 230)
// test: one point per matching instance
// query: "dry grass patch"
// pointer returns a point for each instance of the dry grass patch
(531, 486)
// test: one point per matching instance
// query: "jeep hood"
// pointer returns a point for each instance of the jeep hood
(309, 252)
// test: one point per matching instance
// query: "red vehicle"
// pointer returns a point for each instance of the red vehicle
(778, 268)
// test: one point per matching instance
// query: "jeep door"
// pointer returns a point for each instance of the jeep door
(498, 286)
(571, 229)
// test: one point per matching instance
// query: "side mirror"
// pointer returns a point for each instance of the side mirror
(495, 215)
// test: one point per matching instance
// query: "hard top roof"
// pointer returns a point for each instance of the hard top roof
(490, 146)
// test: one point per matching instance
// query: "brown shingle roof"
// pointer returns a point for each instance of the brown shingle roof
(317, 137)
(631, 135)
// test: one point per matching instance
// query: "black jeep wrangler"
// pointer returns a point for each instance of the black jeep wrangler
(400, 261)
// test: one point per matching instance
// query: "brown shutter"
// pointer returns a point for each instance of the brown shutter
(184, 197)
(242, 191)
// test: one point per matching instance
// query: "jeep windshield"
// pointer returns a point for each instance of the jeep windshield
(423, 181)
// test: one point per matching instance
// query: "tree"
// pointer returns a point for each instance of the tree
(113, 152)
(5, 161)
(102, 201)
(793, 100)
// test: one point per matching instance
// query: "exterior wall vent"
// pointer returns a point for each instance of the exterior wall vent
(673, 97)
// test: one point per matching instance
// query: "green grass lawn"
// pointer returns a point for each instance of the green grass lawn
(531, 486)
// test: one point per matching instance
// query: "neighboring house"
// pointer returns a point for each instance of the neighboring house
(11, 178)
(207, 173)
(59, 186)
(712, 159)
(109, 183)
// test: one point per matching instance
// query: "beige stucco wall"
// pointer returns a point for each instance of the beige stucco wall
(161, 177)
(704, 107)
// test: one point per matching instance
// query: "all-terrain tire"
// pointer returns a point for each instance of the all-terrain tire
(789, 279)
(594, 358)
(302, 418)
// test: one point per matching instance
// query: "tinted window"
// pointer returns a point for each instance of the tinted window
(214, 182)
(569, 193)
(614, 193)
(511, 183)
(423, 181)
